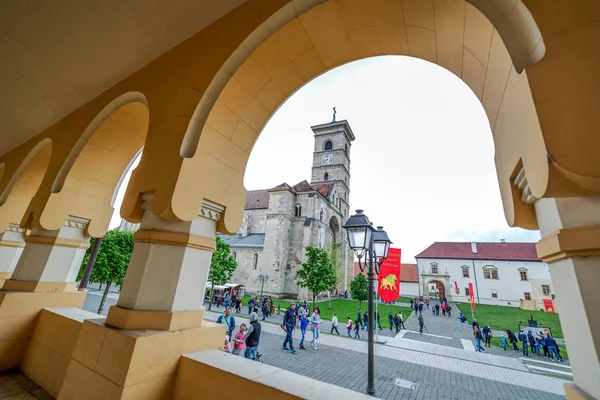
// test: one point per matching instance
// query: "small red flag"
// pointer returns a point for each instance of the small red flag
(472, 295)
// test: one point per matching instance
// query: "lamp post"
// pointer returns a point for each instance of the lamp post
(372, 245)
(262, 278)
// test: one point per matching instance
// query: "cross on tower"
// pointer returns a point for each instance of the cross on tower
(334, 112)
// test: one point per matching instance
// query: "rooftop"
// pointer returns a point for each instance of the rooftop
(481, 251)
(251, 241)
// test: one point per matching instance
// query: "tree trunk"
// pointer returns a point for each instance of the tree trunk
(100, 287)
(103, 298)
(212, 289)
(314, 297)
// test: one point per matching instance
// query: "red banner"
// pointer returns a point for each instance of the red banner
(456, 289)
(388, 286)
(472, 295)
(548, 305)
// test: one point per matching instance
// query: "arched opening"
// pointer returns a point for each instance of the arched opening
(19, 187)
(89, 179)
(456, 36)
(334, 227)
(326, 176)
(436, 289)
(298, 210)
(255, 261)
(328, 145)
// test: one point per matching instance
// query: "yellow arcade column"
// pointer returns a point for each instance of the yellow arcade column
(11, 247)
(134, 353)
(44, 276)
(570, 244)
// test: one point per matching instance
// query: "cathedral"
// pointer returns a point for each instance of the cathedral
(280, 222)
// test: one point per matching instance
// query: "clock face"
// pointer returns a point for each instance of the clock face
(327, 159)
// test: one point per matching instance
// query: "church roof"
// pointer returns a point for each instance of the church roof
(251, 241)
(257, 199)
(483, 251)
(303, 186)
(324, 189)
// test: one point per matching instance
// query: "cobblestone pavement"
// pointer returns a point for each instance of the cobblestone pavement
(14, 385)
(343, 362)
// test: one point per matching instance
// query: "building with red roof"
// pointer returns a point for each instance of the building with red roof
(500, 273)
(409, 279)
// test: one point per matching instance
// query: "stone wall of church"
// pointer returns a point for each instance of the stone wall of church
(254, 222)
(245, 273)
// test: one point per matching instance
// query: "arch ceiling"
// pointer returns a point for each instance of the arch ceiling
(57, 56)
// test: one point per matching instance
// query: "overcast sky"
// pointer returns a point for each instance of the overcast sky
(423, 158)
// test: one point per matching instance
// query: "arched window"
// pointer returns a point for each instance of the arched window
(298, 212)
(255, 261)
(321, 215)
(326, 176)
(346, 148)
(328, 145)
(234, 254)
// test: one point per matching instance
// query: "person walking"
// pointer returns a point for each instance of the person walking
(437, 309)
(227, 320)
(391, 320)
(357, 329)
(334, 324)
(487, 335)
(474, 324)
(315, 321)
(531, 340)
(401, 318)
(349, 326)
(359, 319)
(303, 325)
(397, 322)
(463, 321)
(421, 324)
(378, 320)
(478, 339)
(523, 340)
(366, 322)
(239, 340)
(252, 337)
(512, 339)
(250, 305)
(289, 321)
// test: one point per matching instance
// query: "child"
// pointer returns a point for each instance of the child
(349, 326)
(303, 325)
(239, 340)
(227, 346)
(504, 342)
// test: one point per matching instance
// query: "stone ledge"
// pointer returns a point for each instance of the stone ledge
(257, 381)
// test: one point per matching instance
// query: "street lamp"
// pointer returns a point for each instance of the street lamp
(262, 278)
(373, 245)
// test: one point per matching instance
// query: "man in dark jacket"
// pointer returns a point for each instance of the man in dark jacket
(523, 340)
(391, 320)
(531, 340)
(252, 337)
(512, 339)
(487, 335)
(289, 321)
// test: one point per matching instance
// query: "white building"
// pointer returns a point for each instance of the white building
(507, 274)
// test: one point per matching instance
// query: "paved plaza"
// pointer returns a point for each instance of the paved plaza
(436, 365)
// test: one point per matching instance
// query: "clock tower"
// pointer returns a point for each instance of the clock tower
(331, 160)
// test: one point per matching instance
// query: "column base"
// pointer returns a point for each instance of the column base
(18, 315)
(573, 392)
(14, 285)
(112, 364)
(124, 318)
(3, 277)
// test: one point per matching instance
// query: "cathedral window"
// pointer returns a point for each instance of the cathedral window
(326, 177)
(321, 215)
(298, 210)
(255, 262)
(328, 145)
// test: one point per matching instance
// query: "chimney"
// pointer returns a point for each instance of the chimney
(502, 241)
(474, 247)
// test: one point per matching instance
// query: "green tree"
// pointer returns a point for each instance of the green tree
(359, 288)
(317, 273)
(336, 260)
(111, 263)
(222, 266)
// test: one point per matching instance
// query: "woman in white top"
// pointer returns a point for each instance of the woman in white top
(315, 321)
(334, 324)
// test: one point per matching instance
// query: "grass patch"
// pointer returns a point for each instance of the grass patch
(502, 318)
(496, 343)
(348, 308)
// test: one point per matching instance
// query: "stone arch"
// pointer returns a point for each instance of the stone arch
(334, 226)
(18, 188)
(88, 179)
(439, 285)
(299, 43)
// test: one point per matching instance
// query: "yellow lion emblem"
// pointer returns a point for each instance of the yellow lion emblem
(389, 282)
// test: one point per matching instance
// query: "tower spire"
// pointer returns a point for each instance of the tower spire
(334, 113)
